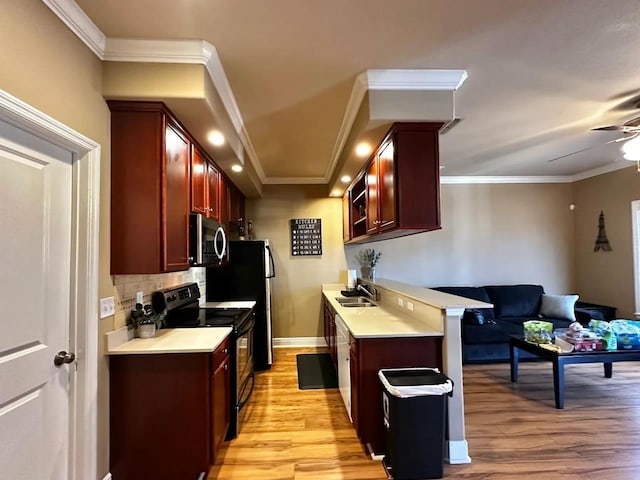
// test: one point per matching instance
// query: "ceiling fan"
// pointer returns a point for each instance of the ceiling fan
(630, 130)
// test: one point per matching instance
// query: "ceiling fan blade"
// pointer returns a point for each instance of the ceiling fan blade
(619, 128)
(569, 154)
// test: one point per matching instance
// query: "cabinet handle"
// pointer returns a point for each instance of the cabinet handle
(226, 366)
(225, 351)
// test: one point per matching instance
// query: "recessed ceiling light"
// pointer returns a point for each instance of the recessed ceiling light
(236, 168)
(216, 138)
(363, 149)
(336, 192)
(345, 179)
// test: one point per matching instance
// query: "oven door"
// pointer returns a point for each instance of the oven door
(244, 363)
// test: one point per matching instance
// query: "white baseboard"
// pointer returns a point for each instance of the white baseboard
(458, 452)
(108, 477)
(288, 342)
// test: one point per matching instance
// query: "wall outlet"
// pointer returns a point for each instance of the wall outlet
(410, 306)
(107, 307)
(400, 302)
(139, 296)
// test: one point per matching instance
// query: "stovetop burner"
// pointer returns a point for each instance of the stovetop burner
(183, 310)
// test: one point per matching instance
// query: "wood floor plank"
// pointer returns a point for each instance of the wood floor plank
(514, 430)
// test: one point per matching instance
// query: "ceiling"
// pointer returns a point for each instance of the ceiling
(541, 74)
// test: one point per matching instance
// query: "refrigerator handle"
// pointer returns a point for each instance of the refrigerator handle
(272, 267)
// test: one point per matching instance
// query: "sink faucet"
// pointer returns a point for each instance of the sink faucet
(372, 294)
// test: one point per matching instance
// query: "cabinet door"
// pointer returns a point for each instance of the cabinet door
(355, 391)
(176, 201)
(223, 199)
(373, 220)
(346, 217)
(236, 209)
(198, 182)
(386, 187)
(212, 192)
(220, 406)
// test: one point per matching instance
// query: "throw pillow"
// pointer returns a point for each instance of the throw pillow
(559, 306)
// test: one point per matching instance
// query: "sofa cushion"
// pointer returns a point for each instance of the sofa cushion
(557, 322)
(559, 306)
(475, 293)
(515, 300)
(496, 333)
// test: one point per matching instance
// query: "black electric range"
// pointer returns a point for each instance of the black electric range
(181, 307)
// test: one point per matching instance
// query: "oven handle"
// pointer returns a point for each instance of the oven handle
(242, 403)
(250, 326)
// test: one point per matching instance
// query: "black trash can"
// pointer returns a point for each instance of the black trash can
(414, 401)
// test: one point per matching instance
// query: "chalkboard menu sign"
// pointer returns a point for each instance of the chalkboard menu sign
(306, 236)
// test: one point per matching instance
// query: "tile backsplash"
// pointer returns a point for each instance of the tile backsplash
(126, 286)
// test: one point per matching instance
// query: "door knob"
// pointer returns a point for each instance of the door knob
(63, 357)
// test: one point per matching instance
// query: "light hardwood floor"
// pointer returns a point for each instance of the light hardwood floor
(514, 431)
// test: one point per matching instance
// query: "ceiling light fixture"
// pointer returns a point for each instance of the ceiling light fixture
(236, 168)
(216, 138)
(363, 149)
(631, 151)
(345, 179)
(336, 193)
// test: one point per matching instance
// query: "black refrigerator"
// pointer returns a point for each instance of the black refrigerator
(248, 277)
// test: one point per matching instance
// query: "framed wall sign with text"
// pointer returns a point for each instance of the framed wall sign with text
(306, 236)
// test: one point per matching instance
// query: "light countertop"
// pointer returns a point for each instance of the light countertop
(234, 304)
(377, 322)
(175, 340)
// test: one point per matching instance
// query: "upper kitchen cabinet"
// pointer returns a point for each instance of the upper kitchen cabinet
(398, 191)
(150, 189)
(231, 206)
(204, 185)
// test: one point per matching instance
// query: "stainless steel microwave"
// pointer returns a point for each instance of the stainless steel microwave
(207, 241)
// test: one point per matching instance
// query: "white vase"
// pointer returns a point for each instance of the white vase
(146, 330)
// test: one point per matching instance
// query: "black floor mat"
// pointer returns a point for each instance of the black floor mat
(316, 370)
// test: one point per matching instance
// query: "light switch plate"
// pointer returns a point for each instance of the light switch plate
(410, 306)
(139, 296)
(400, 302)
(107, 307)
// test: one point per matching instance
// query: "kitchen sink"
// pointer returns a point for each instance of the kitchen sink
(355, 302)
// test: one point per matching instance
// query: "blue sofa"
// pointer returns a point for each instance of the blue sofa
(485, 332)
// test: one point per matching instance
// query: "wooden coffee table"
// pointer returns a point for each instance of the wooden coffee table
(559, 360)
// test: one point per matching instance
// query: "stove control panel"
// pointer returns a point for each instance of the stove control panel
(175, 297)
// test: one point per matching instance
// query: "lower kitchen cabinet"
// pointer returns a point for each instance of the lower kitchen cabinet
(220, 398)
(367, 356)
(168, 413)
(329, 322)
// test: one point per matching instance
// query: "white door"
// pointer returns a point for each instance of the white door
(35, 246)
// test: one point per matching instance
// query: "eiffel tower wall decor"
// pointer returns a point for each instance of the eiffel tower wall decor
(602, 243)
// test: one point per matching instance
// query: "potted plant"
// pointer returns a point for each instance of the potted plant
(144, 320)
(368, 259)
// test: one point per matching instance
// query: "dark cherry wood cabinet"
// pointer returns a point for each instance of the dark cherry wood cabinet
(223, 198)
(236, 209)
(169, 413)
(346, 217)
(367, 356)
(150, 189)
(204, 184)
(398, 191)
(220, 398)
(329, 321)
(159, 409)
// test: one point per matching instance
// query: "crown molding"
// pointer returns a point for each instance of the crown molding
(390, 79)
(192, 52)
(425, 79)
(79, 23)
